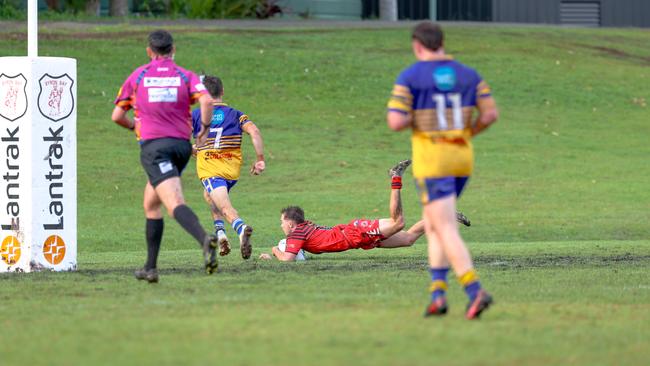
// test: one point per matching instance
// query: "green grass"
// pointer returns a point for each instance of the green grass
(558, 303)
(559, 205)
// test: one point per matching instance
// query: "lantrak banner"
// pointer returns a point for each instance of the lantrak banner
(38, 159)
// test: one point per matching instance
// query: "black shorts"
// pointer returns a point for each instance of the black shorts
(164, 158)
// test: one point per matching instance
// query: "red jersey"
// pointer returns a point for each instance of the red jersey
(318, 239)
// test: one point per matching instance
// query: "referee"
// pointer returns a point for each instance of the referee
(160, 94)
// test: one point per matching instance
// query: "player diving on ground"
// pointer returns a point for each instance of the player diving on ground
(357, 234)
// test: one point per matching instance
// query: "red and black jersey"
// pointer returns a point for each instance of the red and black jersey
(358, 233)
(316, 239)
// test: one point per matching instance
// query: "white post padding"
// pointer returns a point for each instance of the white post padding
(32, 28)
(38, 163)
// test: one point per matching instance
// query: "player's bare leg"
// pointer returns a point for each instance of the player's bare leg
(219, 196)
(437, 258)
(171, 194)
(392, 226)
(404, 238)
(152, 204)
(217, 217)
(418, 229)
(440, 216)
(214, 211)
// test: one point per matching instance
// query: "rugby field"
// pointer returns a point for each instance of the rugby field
(559, 205)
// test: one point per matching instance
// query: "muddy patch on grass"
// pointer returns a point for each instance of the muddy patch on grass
(494, 261)
(615, 53)
(342, 265)
(551, 260)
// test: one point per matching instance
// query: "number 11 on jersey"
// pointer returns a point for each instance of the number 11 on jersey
(456, 111)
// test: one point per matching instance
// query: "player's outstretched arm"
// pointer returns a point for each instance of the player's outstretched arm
(258, 144)
(283, 256)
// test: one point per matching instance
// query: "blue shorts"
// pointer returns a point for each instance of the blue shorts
(431, 189)
(213, 182)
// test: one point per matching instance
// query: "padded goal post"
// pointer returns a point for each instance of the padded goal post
(38, 161)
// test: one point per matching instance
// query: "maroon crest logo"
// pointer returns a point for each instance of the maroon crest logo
(13, 96)
(55, 99)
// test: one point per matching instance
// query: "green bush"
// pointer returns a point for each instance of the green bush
(197, 9)
(150, 7)
(223, 8)
(177, 8)
(10, 9)
(75, 6)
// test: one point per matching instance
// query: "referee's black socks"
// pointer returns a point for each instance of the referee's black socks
(188, 220)
(153, 232)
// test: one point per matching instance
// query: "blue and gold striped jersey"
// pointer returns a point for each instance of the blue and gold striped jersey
(440, 96)
(220, 155)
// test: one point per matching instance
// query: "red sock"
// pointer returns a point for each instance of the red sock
(396, 182)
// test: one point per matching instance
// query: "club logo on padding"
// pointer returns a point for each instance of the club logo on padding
(55, 99)
(13, 96)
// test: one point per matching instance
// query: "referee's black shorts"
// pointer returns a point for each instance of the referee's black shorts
(164, 158)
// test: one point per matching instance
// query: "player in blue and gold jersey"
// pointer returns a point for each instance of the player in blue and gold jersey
(436, 97)
(219, 160)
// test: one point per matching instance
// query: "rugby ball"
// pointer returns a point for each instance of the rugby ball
(282, 245)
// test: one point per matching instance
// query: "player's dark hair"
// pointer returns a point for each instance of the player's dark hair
(294, 213)
(429, 35)
(161, 42)
(214, 85)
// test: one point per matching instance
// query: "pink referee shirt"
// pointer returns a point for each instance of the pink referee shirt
(161, 94)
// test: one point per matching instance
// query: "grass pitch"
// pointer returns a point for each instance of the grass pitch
(559, 205)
